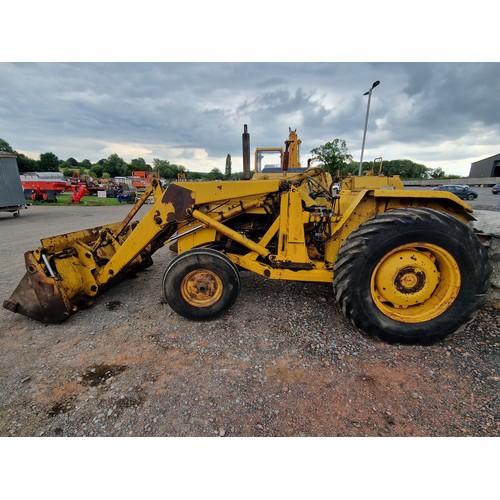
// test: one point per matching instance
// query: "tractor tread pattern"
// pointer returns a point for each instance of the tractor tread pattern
(355, 248)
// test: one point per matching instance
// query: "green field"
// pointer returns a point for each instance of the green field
(86, 201)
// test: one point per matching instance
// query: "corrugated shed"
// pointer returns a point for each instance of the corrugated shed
(11, 190)
(489, 167)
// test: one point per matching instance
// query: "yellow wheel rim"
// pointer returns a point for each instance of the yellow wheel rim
(415, 283)
(201, 288)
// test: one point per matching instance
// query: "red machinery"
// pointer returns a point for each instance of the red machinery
(89, 183)
(43, 185)
(141, 178)
(78, 193)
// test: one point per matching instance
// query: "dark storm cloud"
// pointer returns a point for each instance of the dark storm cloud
(77, 109)
(445, 100)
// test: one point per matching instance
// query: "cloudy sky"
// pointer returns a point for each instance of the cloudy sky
(439, 114)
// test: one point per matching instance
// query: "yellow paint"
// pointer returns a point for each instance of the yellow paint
(192, 214)
(201, 288)
(415, 283)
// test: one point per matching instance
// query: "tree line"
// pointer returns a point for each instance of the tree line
(113, 166)
(333, 157)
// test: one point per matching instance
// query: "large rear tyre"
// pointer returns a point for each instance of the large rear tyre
(412, 275)
(201, 284)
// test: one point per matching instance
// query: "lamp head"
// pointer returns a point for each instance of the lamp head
(374, 84)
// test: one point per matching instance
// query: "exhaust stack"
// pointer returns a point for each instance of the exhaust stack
(246, 153)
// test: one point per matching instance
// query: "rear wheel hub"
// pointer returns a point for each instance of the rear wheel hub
(415, 283)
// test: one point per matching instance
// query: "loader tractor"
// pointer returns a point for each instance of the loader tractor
(405, 265)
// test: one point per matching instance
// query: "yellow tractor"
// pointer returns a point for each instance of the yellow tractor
(405, 265)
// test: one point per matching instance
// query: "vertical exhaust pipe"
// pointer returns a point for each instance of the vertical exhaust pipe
(246, 153)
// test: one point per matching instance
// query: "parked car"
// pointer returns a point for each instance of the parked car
(463, 192)
(495, 189)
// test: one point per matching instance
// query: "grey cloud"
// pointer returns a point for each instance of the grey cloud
(50, 106)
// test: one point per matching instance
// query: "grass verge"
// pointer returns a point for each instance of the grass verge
(86, 201)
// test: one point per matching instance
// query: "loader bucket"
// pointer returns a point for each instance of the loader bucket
(37, 297)
(69, 270)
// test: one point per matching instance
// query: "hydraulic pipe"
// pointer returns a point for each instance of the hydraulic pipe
(226, 231)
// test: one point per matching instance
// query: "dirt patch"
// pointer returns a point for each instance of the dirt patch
(99, 374)
(283, 362)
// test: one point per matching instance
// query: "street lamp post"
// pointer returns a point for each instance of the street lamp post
(369, 93)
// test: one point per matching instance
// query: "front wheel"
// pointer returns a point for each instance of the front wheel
(411, 275)
(201, 284)
(471, 197)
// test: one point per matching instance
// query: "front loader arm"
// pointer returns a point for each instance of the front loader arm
(177, 203)
(68, 270)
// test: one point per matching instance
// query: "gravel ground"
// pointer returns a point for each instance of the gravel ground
(283, 362)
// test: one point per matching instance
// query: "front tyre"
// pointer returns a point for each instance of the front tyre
(411, 275)
(201, 284)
